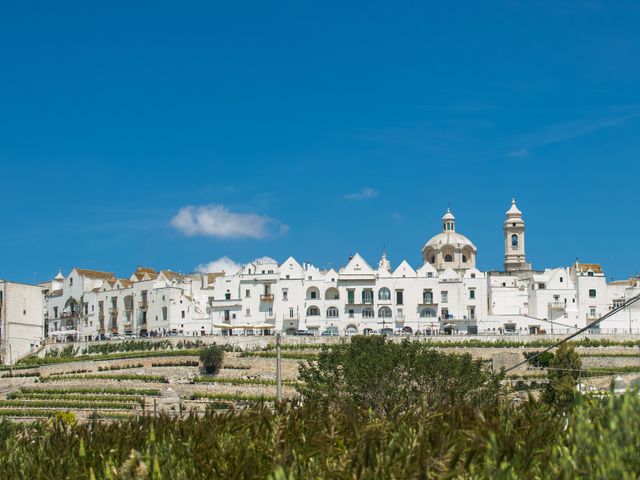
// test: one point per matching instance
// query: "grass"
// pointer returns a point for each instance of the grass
(106, 376)
(151, 392)
(69, 404)
(119, 367)
(187, 363)
(76, 397)
(232, 397)
(48, 413)
(284, 355)
(241, 381)
(23, 374)
(34, 361)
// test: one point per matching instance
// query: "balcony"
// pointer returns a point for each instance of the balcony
(427, 302)
(113, 311)
(143, 305)
(557, 305)
(592, 317)
(352, 302)
(268, 298)
(295, 317)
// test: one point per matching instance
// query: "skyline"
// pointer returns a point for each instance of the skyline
(169, 138)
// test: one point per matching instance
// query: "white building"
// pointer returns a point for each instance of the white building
(446, 294)
(21, 320)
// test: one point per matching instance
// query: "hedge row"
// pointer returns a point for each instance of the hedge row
(106, 376)
(152, 392)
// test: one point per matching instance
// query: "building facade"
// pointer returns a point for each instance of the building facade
(21, 320)
(446, 294)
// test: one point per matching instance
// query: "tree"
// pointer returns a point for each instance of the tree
(563, 374)
(389, 378)
(211, 358)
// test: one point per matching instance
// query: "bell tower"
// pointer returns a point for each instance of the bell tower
(514, 252)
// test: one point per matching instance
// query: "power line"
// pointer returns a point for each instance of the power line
(628, 303)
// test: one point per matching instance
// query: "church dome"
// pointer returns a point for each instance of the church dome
(450, 249)
(449, 238)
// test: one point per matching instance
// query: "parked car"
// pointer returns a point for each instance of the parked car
(387, 332)
(330, 333)
(304, 333)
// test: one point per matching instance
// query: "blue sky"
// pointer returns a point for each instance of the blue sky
(170, 134)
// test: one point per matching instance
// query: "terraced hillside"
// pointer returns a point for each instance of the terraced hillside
(142, 377)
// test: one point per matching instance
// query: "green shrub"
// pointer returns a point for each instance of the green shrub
(211, 358)
(389, 378)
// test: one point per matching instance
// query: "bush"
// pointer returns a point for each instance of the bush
(390, 378)
(564, 371)
(211, 358)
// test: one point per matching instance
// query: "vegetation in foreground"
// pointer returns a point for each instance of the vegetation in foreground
(371, 409)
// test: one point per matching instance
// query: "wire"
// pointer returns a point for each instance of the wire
(628, 303)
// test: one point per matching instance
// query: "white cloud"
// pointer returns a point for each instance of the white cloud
(363, 194)
(223, 264)
(264, 260)
(217, 221)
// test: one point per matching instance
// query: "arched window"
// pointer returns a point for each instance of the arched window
(332, 294)
(313, 293)
(464, 259)
(427, 312)
(332, 312)
(514, 240)
(384, 294)
(367, 313)
(448, 258)
(164, 313)
(313, 312)
(384, 312)
(433, 259)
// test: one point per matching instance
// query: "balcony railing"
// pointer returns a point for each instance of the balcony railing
(365, 301)
(266, 297)
(295, 316)
(143, 304)
(557, 305)
(427, 301)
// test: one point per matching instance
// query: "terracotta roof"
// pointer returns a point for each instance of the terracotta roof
(632, 282)
(170, 275)
(141, 272)
(55, 293)
(94, 274)
(125, 283)
(585, 267)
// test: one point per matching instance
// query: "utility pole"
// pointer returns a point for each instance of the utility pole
(278, 370)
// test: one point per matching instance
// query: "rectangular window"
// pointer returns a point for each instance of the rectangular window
(247, 312)
(472, 293)
(227, 296)
(350, 297)
(592, 293)
(399, 297)
(350, 313)
(445, 296)
(182, 313)
(285, 295)
(247, 293)
(290, 312)
(427, 297)
(367, 296)
(400, 313)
